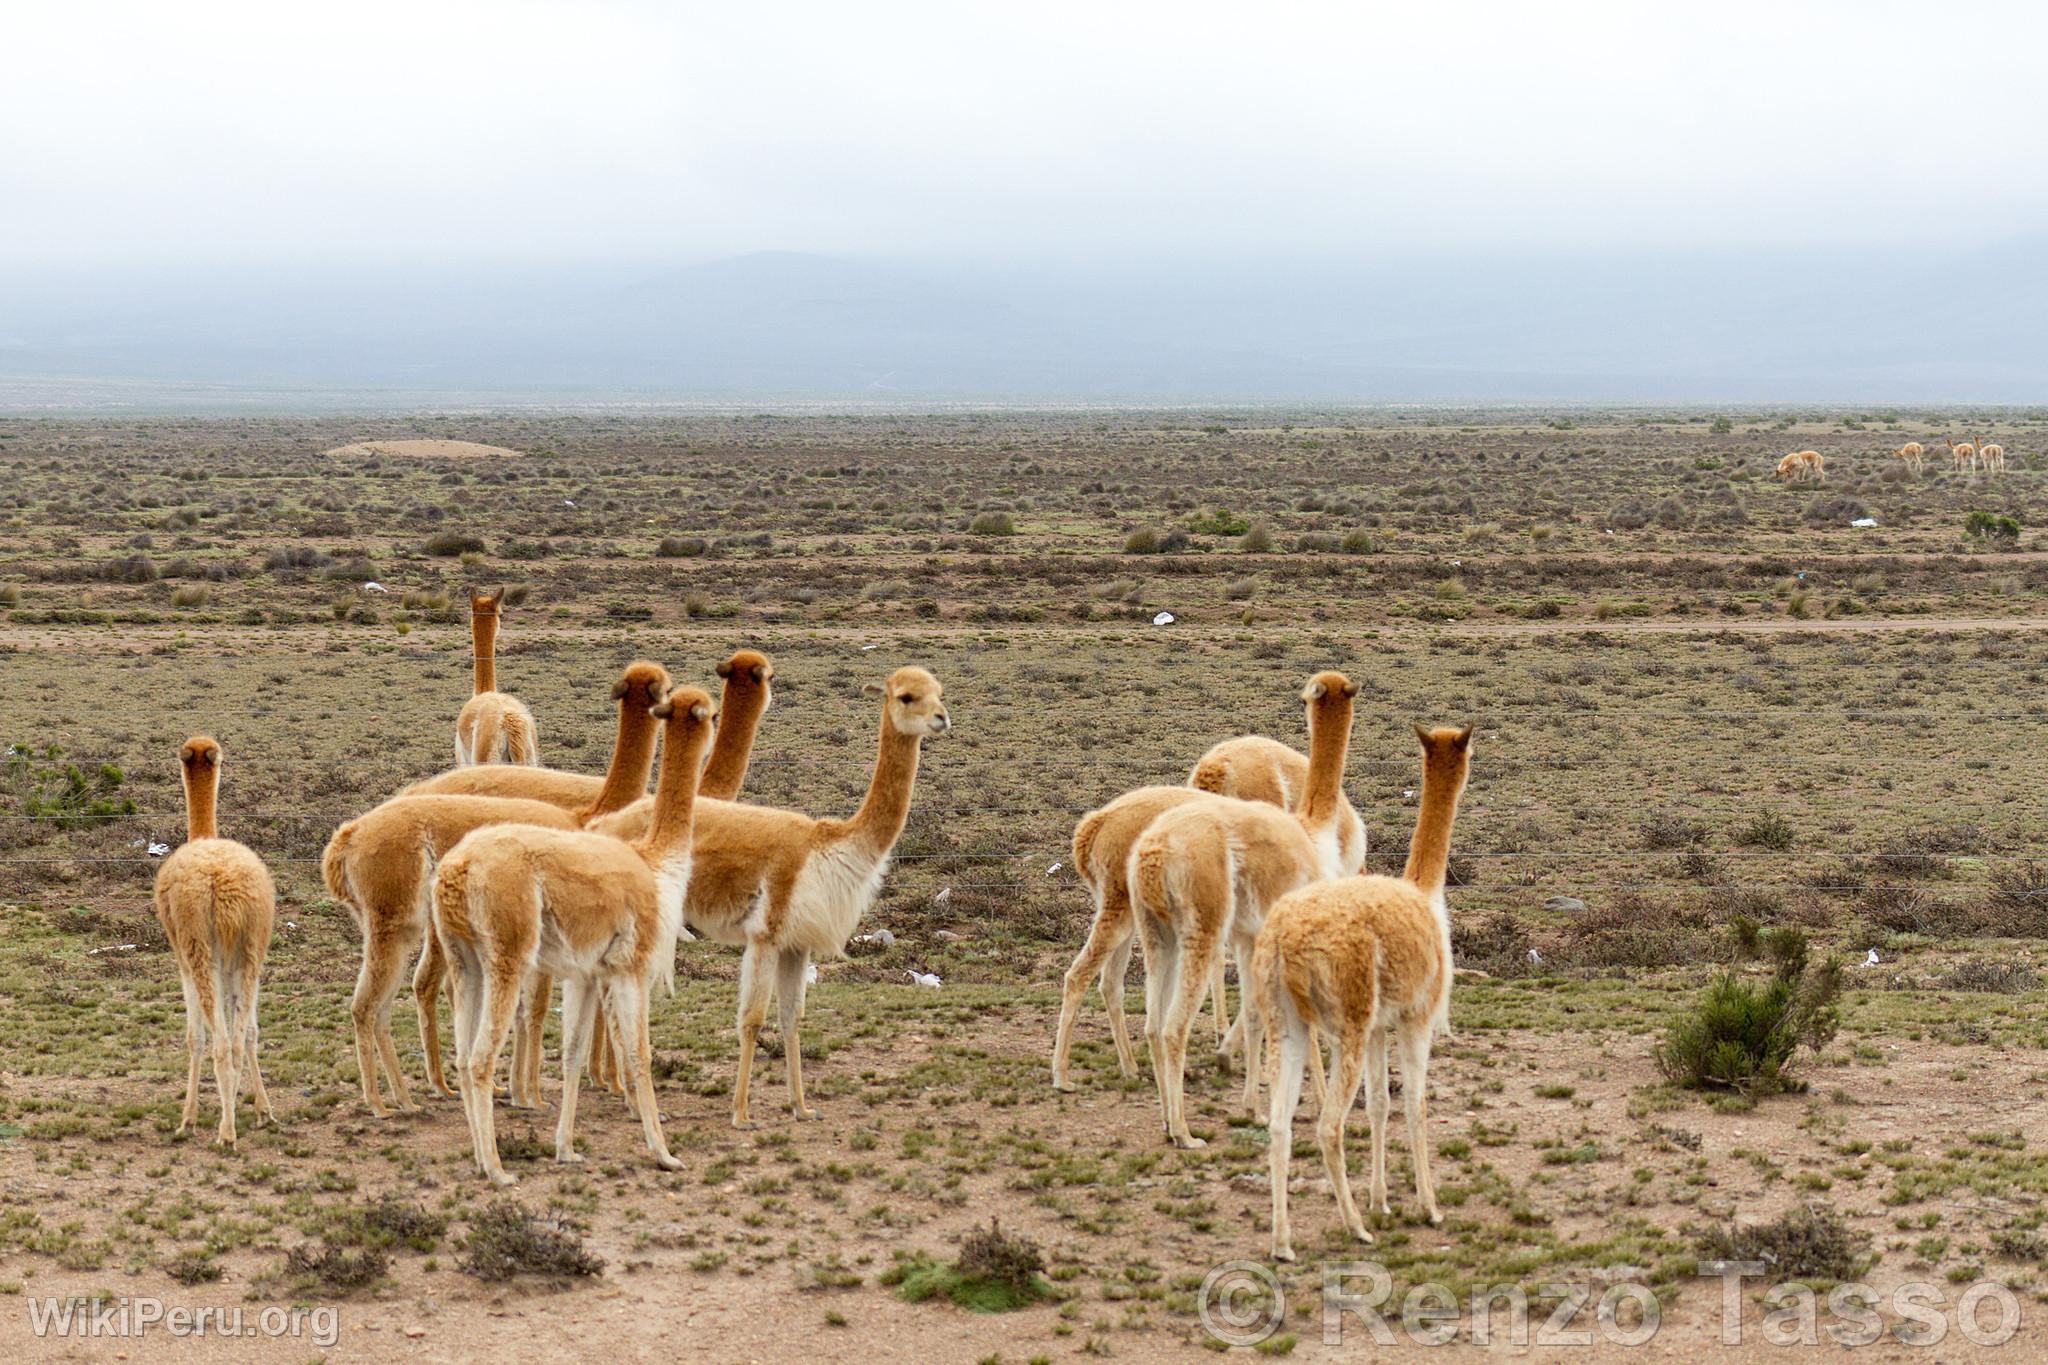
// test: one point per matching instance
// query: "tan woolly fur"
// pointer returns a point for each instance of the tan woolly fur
(789, 888)
(1913, 455)
(1366, 960)
(601, 914)
(1201, 877)
(493, 726)
(1803, 465)
(1250, 768)
(746, 694)
(216, 902)
(381, 865)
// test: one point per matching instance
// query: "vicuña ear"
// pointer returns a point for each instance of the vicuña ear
(763, 672)
(1421, 732)
(1314, 690)
(701, 711)
(1350, 688)
(620, 689)
(497, 594)
(661, 710)
(724, 669)
(1464, 736)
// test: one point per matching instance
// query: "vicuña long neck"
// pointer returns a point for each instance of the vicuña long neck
(1429, 852)
(673, 820)
(881, 815)
(1329, 739)
(201, 794)
(739, 717)
(625, 781)
(483, 634)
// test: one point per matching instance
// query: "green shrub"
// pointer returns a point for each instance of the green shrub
(992, 524)
(997, 1272)
(1721, 426)
(1742, 1033)
(1769, 830)
(190, 595)
(1359, 543)
(1985, 525)
(449, 544)
(1219, 523)
(1257, 541)
(64, 793)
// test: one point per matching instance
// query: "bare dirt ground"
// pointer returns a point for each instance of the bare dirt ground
(1704, 702)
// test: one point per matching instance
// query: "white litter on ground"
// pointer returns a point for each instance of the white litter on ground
(158, 850)
(1164, 618)
(1871, 961)
(1864, 523)
(1054, 868)
(945, 894)
(374, 586)
(929, 980)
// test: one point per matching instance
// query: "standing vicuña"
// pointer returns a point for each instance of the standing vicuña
(1913, 455)
(789, 887)
(1251, 768)
(380, 865)
(1202, 875)
(216, 902)
(746, 695)
(1363, 958)
(492, 727)
(599, 913)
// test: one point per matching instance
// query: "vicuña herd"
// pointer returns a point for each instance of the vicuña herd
(506, 877)
(1810, 466)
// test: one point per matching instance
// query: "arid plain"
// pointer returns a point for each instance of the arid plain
(1709, 706)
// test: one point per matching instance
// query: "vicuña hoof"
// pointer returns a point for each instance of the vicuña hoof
(1189, 1143)
(1064, 1086)
(1282, 1252)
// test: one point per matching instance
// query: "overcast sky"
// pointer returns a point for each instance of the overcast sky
(428, 130)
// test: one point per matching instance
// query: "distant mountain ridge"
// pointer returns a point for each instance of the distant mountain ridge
(1864, 327)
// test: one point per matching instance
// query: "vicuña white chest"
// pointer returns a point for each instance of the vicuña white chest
(834, 889)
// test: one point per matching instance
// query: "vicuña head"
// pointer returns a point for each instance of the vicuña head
(747, 666)
(199, 754)
(642, 680)
(915, 704)
(693, 700)
(485, 603)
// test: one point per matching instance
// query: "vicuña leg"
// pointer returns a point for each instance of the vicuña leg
(1414, 1043)
(756, 985)
(791, 967)
(1294, 1054)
